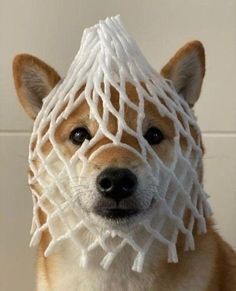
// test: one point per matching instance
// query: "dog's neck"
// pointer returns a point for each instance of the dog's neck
(62, 271)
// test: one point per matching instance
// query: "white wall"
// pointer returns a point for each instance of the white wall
(51, 30)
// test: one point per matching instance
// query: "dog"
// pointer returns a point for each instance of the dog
(210, 267)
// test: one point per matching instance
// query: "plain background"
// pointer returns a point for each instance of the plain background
(52, 30)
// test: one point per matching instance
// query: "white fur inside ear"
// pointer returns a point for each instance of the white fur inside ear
(187, 77)
(186, 70)
(36, 85)
(33, 79)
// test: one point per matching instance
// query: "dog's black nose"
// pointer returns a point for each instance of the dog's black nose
(116, 183)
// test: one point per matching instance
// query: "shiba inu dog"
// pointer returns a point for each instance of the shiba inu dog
(116, 190)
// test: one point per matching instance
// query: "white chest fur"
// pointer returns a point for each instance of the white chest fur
(193, 273)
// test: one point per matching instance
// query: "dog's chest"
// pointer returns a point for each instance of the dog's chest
(66, 274)
(116, 281)
(122, 279)
(101, 281)
(118, 277)
(105, 281)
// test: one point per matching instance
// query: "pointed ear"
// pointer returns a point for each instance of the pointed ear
(186, 70)
(33, 79)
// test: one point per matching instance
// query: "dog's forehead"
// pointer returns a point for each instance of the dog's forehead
(80, 116)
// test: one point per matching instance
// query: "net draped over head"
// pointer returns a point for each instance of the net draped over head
(109, 57)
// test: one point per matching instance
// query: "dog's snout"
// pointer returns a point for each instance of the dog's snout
(117, 183)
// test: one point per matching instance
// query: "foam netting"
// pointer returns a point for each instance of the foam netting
(109, 56)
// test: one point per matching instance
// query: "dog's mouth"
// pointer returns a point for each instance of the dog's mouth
(120, 214)
(116, 213)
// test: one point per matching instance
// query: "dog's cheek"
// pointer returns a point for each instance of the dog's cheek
(165, 151)
(146, 188)
(86, 187)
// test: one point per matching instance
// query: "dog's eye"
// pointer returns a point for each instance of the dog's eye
(154, 135)
(79, 135)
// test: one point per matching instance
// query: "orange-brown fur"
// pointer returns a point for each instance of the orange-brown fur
(222, 274)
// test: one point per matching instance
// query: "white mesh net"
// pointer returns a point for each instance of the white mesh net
(108, 57)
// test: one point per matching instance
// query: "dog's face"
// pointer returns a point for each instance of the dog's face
(115, 187)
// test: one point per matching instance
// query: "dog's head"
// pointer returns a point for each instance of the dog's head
(115, 187)
(115, 184)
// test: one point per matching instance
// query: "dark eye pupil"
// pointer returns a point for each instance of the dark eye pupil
(154, 135)
(79, 135)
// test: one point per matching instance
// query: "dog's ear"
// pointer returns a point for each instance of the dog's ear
(33, 79)
(186, 70)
